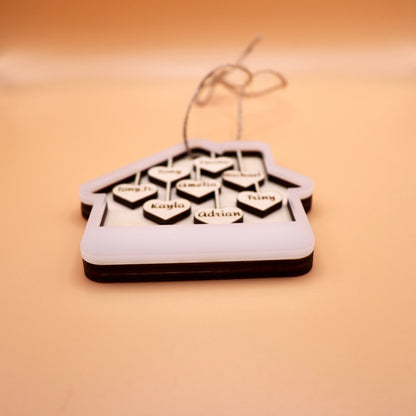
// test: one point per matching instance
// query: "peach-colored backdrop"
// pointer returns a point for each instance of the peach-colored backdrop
(87, 87)
(172, 24)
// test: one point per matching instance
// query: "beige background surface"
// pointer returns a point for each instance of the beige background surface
(337, 341)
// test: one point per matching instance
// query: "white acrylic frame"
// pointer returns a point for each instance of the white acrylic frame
(194, 243)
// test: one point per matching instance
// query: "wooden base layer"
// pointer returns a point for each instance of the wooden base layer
(197, 271)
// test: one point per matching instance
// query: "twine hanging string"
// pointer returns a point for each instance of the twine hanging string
(218, 76)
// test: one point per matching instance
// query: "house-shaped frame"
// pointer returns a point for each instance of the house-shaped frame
(187, 251)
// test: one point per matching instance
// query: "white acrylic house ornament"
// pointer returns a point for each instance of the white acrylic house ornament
(223, 210)
(201, 210)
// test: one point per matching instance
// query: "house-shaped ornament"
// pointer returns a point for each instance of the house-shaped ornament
(215, 210)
